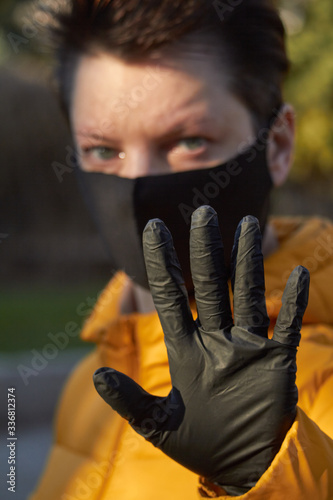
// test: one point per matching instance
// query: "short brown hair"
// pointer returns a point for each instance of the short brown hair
(249, 31)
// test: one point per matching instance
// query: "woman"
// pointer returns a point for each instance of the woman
(174, 105)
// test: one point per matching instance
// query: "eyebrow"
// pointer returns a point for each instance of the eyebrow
(189, 120)
(94, 136)
(189, 116)
(176, 130)
(185, 126)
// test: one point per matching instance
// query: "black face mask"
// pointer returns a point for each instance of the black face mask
(121, 207)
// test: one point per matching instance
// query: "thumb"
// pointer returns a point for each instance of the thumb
(149, 415)
(124, 395)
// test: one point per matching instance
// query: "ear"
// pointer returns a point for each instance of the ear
(281, 145)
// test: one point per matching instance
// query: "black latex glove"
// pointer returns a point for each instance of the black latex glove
(234, 395)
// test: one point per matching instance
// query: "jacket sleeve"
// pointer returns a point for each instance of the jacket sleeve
(301, 470)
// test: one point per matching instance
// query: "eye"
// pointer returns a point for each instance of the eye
(102, 153)
(192, 143)
(189, 144)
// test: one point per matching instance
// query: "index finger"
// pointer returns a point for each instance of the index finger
(167, 287)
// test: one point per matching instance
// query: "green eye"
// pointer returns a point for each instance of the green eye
(192, 143)
(102, 153)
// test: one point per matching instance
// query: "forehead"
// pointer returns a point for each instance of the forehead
(190, 83)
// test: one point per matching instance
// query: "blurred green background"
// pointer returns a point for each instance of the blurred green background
(41, 295)
(310, 85)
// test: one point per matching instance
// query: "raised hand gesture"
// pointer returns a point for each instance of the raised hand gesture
(233, 394)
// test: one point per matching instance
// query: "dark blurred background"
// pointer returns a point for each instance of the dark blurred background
(51, 255)
(51, 258)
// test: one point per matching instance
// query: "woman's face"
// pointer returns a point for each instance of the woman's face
(157, 116)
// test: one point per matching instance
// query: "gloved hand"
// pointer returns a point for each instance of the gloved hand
(233, 394)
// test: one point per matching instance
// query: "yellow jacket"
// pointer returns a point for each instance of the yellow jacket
(97, 455)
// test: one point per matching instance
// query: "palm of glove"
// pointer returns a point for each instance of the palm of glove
(234, 395)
